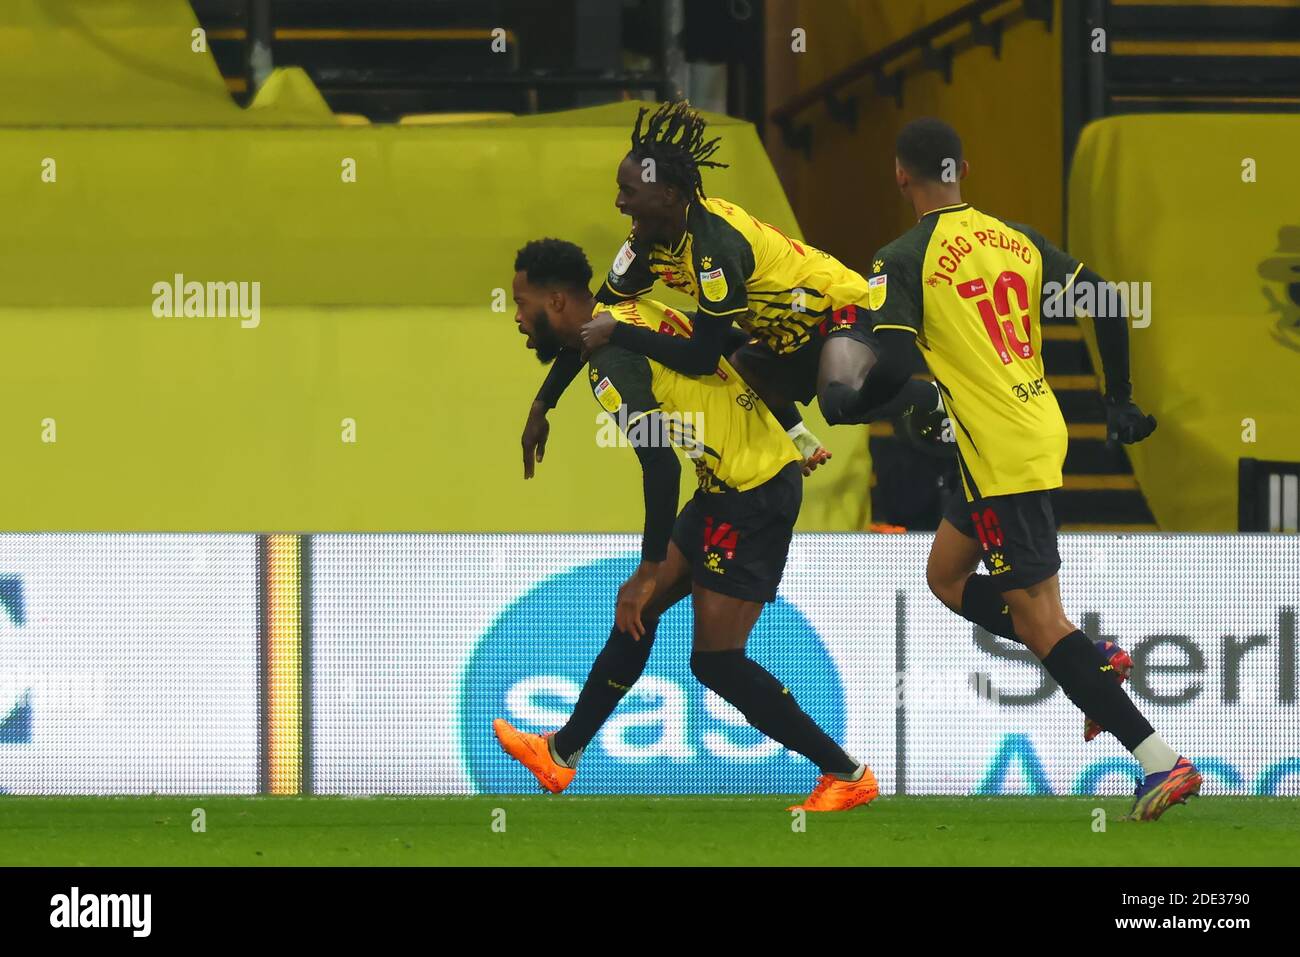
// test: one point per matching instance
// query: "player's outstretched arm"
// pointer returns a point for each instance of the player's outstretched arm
(697, 355)
(1125, 422)
(660, 478)
(536, 428)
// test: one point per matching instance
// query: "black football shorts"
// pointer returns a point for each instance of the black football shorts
(1017, 533)
(737, 542)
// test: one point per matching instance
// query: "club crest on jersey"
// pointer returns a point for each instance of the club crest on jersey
(607, 395)
(877, 286)
(623, 260)
(713, 285)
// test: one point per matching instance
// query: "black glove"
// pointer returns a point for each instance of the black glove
(927, 431)
(1125, 422)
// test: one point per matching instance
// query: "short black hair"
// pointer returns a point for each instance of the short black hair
(673, 137)
(923, 145)
(554, 262)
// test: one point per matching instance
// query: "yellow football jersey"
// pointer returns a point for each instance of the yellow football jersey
(775, 288)
(971, 286)
(721, 424)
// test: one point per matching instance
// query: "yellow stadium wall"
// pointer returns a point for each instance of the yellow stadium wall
(377, 305)
(1008, 112)
(1162, 199)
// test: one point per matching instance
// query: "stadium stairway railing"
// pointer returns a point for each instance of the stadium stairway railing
(1100, 492)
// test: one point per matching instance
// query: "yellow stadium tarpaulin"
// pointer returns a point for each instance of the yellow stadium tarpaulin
(114, 63)
(289, 90)
(1206, 210)
(368, 215)
(360, 276)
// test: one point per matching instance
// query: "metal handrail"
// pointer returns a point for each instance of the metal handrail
(982, 33)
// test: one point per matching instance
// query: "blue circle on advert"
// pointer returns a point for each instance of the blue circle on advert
(669, 734)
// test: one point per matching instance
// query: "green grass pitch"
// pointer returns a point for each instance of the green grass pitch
(544, 830)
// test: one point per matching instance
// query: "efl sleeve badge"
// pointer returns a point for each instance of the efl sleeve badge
(877, 286)
(713, 285)
(623, 260)
(607, 395)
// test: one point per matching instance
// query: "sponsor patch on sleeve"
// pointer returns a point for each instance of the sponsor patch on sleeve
(877, 286)
(623, 260)
(607, 395)
(713, 285)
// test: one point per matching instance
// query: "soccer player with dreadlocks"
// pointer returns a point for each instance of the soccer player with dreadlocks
(804, 310)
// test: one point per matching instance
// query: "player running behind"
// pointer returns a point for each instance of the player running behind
(793, 299)
(970, 289)
(727, 548)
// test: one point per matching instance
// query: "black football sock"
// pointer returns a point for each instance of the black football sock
(1086, 678)
(612, 674)
(770, 707)
(982, 603)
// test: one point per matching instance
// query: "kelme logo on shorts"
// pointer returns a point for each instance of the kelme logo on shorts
(670, 734)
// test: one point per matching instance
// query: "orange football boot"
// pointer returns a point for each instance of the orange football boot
(832, 794)
(533, 751)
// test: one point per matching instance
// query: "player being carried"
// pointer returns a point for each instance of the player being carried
(727, 548)
(970, 289)
(803, 308)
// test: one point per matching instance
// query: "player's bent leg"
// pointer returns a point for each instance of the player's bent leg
(1017, 536)
(722, 622)
(733, 579)
(672, 584)
(950, 573)
(1038, 616)
(1051, 620)
(620, 662)
(953, 559)
(841, 373)
(917, 410)
(1087, 678)
(1121, 666)
(553, 758)
(722, 627)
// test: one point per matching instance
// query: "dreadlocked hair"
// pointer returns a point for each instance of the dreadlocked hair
(673, 137)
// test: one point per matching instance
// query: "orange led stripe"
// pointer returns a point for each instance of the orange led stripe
(284, 664)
